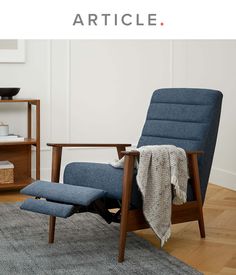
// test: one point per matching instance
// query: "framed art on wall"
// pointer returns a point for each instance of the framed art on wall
(12, 51)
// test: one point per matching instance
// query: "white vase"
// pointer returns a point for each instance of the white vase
(4, 130)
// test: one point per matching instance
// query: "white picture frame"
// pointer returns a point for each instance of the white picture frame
(15, 55)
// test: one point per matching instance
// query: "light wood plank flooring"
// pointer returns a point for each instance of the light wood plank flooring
(214, 255)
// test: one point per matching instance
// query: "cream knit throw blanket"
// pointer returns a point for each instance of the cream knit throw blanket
(159, 167)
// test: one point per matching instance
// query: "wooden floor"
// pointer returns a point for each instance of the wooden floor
(214, 255)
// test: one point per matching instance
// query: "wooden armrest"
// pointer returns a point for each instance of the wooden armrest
(119, 146)
(89, 144)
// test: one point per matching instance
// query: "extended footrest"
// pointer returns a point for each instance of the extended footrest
(49, 208)
(60, 199)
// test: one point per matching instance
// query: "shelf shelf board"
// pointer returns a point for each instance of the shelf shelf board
(17, 185)
(32, 101)
(27, 141)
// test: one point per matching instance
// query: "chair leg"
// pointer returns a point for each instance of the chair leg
(52, 224)
(126, 194)
(123, 233)
(197, 190)
(56, 166)
(201, 224)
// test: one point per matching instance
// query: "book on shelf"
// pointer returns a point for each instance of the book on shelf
(11, 138)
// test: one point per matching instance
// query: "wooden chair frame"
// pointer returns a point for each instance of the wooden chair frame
(134, 219)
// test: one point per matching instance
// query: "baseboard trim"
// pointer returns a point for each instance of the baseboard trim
(223, 178)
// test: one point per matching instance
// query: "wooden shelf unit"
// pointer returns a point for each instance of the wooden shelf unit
(19, 152)
(17, 184)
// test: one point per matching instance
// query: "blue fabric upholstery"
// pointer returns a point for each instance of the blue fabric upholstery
(106, 177)
(48, 208)
(63, 193)
(184, 117)
(99, 175)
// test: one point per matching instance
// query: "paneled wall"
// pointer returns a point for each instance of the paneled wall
(213, 64)
(99, 91)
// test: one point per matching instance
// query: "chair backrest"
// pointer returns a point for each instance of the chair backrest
(187, 118)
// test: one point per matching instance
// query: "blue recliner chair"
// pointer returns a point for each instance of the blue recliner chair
(187, 118)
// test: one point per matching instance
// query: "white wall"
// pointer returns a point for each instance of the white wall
(99, 91)
(213, 64)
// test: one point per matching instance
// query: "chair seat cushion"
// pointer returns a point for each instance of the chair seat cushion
(65, 193)
(105, 177)
(49, 208)
(102, 176)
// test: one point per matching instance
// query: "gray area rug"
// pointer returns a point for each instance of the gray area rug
(84, 244)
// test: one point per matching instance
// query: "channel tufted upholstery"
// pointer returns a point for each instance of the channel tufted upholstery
(187, 118)
(184, 117)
